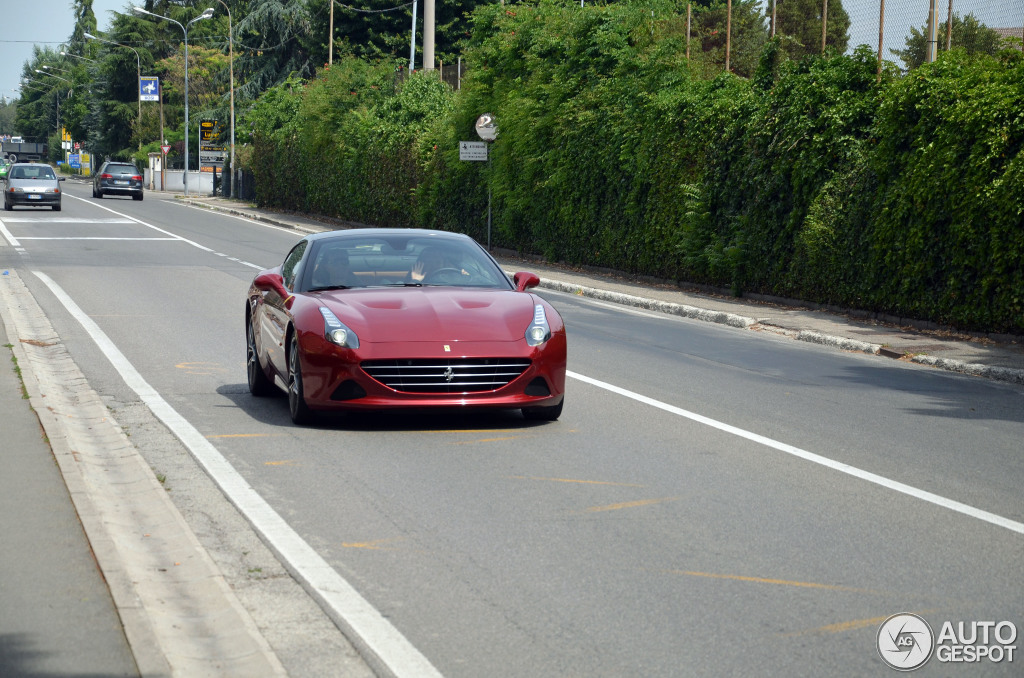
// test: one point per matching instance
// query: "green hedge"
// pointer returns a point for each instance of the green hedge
(814, 179)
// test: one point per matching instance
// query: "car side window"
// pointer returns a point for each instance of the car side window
(292, 267)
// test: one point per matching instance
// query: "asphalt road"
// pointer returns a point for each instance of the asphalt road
(712, 501)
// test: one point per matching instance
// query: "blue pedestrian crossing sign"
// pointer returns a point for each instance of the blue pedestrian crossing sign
(149, 88)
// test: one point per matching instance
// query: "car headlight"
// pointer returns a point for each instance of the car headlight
(336, 332)
(539, 331)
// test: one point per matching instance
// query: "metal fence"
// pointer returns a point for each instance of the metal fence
(905, 32)
(909, 32)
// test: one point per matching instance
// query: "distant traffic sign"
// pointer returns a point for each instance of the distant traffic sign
(149, 88)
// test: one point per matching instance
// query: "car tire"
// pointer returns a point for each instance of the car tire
(8, 206)
(297, 407)
(56, 208)
(544, 413)
(137, 197)
(260, 385)
(98, 194)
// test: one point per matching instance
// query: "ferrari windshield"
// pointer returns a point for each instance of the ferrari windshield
(346, 262)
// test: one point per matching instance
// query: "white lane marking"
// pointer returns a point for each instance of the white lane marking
(896, 486)
(143, 223)
(8, 236)
(346, 606)
(65, 220)
(93, 237)
(130, 219)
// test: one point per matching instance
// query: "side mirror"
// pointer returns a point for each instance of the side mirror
(62, 178)
(525, 281)
(271, 282)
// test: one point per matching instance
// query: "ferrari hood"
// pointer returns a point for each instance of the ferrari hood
(434, 314)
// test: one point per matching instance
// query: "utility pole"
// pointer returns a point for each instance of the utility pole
(428, 35)
(931, 51)
(881, 33)
(824, 23)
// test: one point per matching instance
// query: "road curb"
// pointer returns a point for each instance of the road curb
(671, 308)
(1007, 374)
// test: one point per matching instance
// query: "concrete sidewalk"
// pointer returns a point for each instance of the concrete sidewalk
(994, 357)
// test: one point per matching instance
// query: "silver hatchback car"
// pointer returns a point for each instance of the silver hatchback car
(33, 184)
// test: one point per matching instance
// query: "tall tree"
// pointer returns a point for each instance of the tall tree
(85, 22)
(749, 34)
(801, 20)
(968, 33)
(272, 43)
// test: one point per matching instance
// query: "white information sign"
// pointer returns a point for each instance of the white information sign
(473, 150)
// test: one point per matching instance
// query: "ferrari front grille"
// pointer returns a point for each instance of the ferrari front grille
(457, 375)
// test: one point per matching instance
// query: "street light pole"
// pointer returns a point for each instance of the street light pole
(205, 15)
(66, 53)
(231, 72)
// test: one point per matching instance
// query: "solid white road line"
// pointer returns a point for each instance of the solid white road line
(810, 456)
(8, 236)
(364, 625)
(143, 223)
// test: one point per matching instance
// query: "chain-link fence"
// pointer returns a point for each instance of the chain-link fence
(724, 34)
(904, 28)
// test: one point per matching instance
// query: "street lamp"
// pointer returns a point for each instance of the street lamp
(69, 54)
(205, 15)
(231, 71)
(138, 74)
(62, 70)
(52, 75)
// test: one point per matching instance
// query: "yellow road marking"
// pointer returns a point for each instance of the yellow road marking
(844, 626)
(286, 462)
(467, 430)
(629, 504)
(375, 545)
(572, 480)
(201, 368)
(763, 580)
(849, 625)
(485, 440)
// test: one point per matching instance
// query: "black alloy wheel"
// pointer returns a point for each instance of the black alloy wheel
(259, 385)
(301, 414)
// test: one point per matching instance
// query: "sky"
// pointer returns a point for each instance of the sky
(44, 22)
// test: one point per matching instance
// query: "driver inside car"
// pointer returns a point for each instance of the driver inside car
(431, 260)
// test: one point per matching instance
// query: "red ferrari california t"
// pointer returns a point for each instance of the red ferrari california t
(386, 318)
